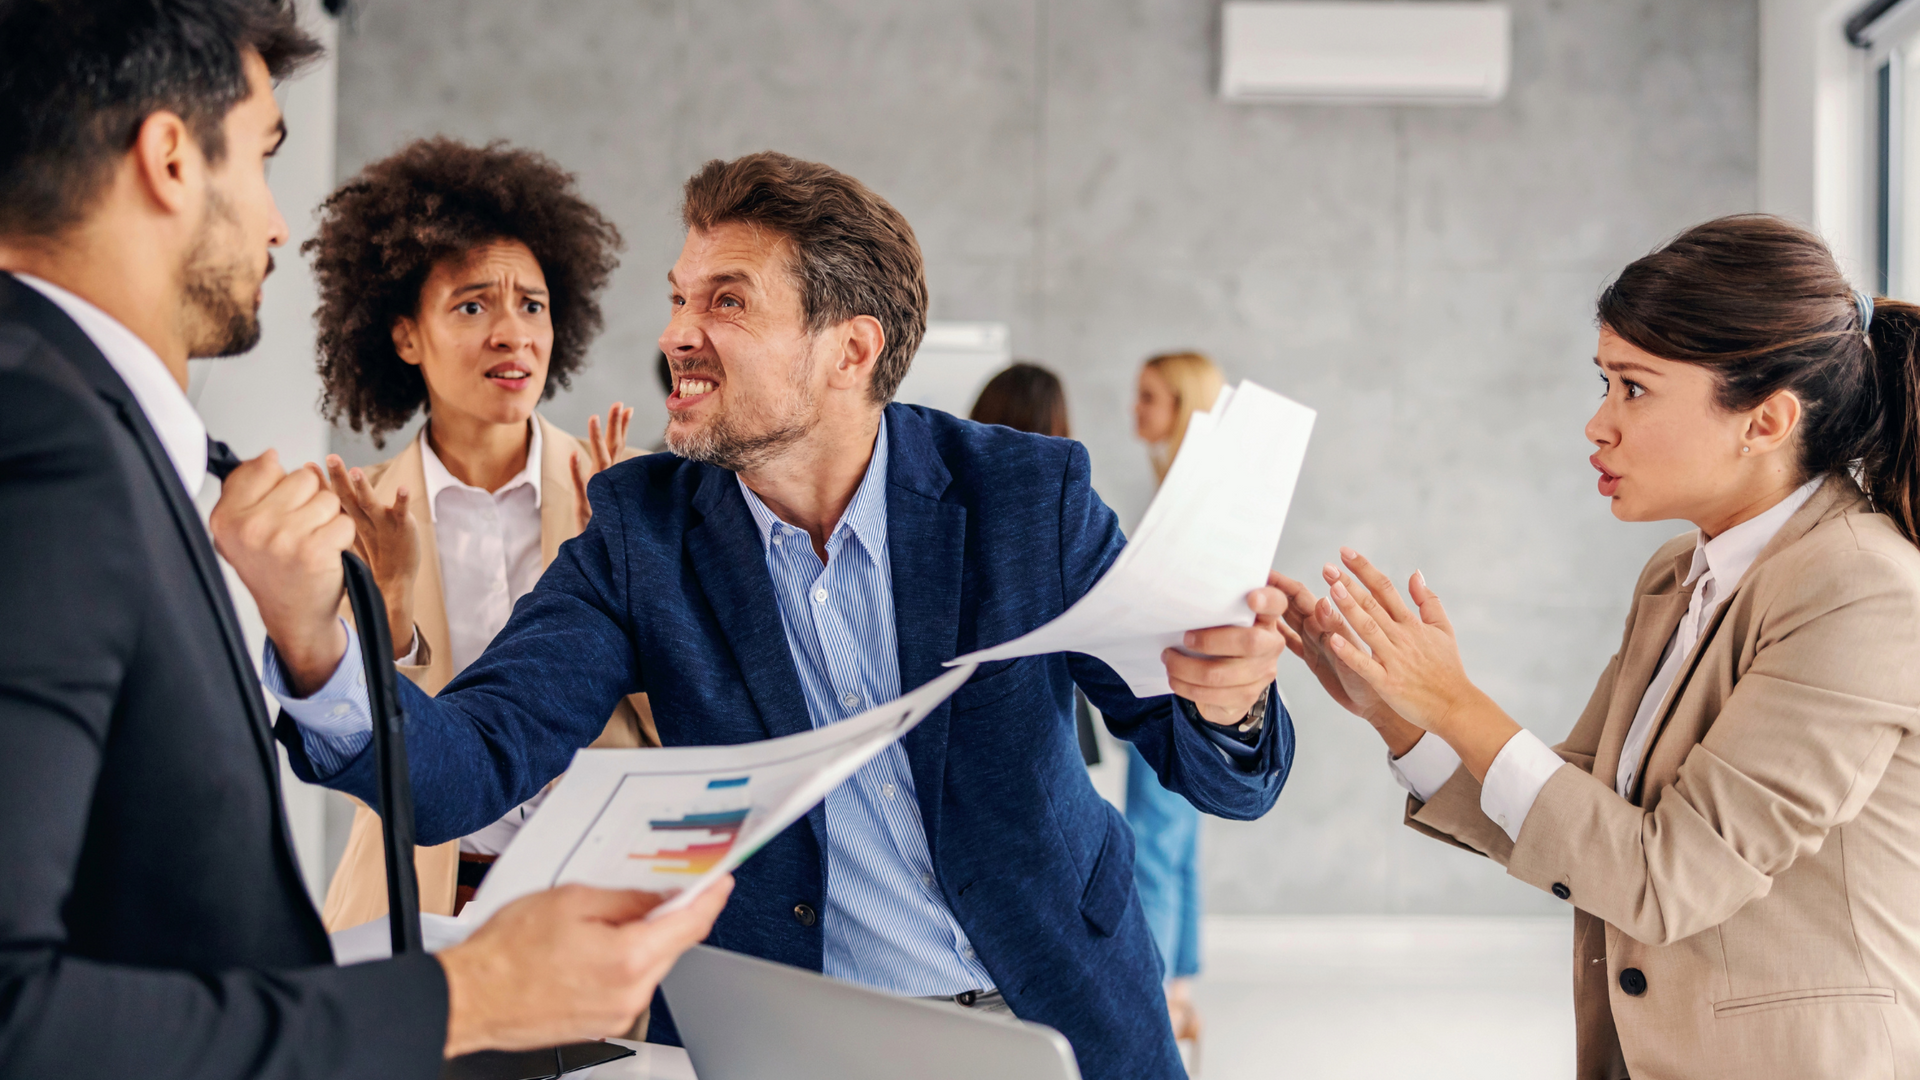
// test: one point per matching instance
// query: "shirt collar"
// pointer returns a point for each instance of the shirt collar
(439, 479)
(1730, 554)
(865, 517)
(181, 431)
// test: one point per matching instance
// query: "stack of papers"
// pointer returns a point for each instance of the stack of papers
(673, 821)
(1208, 540)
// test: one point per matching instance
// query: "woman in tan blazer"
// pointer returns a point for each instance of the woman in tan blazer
(462, 280)
(1736, 816)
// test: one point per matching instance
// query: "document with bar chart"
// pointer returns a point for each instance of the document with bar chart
(672, 821)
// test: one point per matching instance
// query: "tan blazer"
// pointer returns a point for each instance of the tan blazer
(359, 890)
(1764, 880)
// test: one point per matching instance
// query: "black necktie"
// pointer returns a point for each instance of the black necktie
(221, 459)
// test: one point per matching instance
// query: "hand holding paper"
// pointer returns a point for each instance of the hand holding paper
(1198, 561)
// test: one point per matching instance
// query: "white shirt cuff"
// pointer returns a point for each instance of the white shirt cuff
(1427, 767)
(1514, 780)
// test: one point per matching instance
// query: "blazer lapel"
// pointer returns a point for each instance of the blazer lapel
(731, 565)
(557, 523)
(80, 351)
(1833, 497)
(926, 543)
(1658, 616)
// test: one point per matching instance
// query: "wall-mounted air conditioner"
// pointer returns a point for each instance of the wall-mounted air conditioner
(1395, 52)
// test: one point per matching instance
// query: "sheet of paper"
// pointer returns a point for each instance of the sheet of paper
(675, 820)
(1207, 540)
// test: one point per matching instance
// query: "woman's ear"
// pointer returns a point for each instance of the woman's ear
(406, 340)
(1771, 424)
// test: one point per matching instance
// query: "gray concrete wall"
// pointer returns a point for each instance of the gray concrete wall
(1422, 276)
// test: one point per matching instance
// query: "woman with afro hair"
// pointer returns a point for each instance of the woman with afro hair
(464, 281)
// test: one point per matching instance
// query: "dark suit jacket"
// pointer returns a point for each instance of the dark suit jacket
(991, 532)
(153, 922)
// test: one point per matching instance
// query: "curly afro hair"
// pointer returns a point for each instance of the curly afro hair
(385, 230)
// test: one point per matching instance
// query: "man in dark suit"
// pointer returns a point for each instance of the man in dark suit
(153, 922)
(807, 551)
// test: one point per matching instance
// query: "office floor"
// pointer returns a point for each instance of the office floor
(1319, 998)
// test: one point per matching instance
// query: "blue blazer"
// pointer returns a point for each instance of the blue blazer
(992, 532)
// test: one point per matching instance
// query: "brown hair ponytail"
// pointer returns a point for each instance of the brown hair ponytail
(1890, 463)
(1762, 302)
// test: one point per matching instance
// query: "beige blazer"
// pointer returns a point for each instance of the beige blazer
(1764, 878)
(359, 889)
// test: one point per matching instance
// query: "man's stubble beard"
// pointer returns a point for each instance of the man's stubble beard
(218, 322)
(725, 442)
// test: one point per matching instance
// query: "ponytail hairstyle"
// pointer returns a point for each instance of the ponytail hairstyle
(1761, 302)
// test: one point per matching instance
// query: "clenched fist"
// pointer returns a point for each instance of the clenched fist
(284, 532)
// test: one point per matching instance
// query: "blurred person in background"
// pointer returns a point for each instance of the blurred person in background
(1166, 827)
(464, 281)
(1028, 397)
(1735, 817)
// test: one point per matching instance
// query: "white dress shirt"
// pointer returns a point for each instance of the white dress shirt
(489, 558)
(1525, 763)
(169, 413)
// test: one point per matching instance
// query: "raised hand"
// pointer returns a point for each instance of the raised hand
(1311, 624)
(1412, 661)
(385, 536)
(603, 451)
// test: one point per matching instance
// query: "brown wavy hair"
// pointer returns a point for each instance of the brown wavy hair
(385, 230)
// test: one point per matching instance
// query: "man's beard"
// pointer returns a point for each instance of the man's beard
(725, 442)
(218, 323)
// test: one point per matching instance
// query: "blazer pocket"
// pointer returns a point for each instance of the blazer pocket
(1822, 995)
(992, 687)
(1110, 886)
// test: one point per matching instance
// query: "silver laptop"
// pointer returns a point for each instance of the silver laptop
(743, 1018)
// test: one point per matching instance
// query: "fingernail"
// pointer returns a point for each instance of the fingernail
(1339, 589)
(1190, 639)
(1421, 578)
(1330, 572)
(1349, 554)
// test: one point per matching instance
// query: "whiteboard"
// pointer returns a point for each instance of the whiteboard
(954, 363)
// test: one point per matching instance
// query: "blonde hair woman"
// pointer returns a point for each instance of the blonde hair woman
(1166, 827)
(1173, 386)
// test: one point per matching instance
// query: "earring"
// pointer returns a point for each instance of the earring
(1746, 449)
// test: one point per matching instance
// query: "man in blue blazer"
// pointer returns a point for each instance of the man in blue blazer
(806, 552)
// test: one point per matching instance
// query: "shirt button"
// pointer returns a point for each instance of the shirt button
(887, 790)
(819, 596)
(849, 699)
(967, 951)
(338, 710)
(927, 880)
(1501, 821)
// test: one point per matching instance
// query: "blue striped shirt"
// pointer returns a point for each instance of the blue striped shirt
(887, 925)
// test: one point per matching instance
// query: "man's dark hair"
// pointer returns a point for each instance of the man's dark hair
(79, 77)
(436, 200)
(854, 254)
